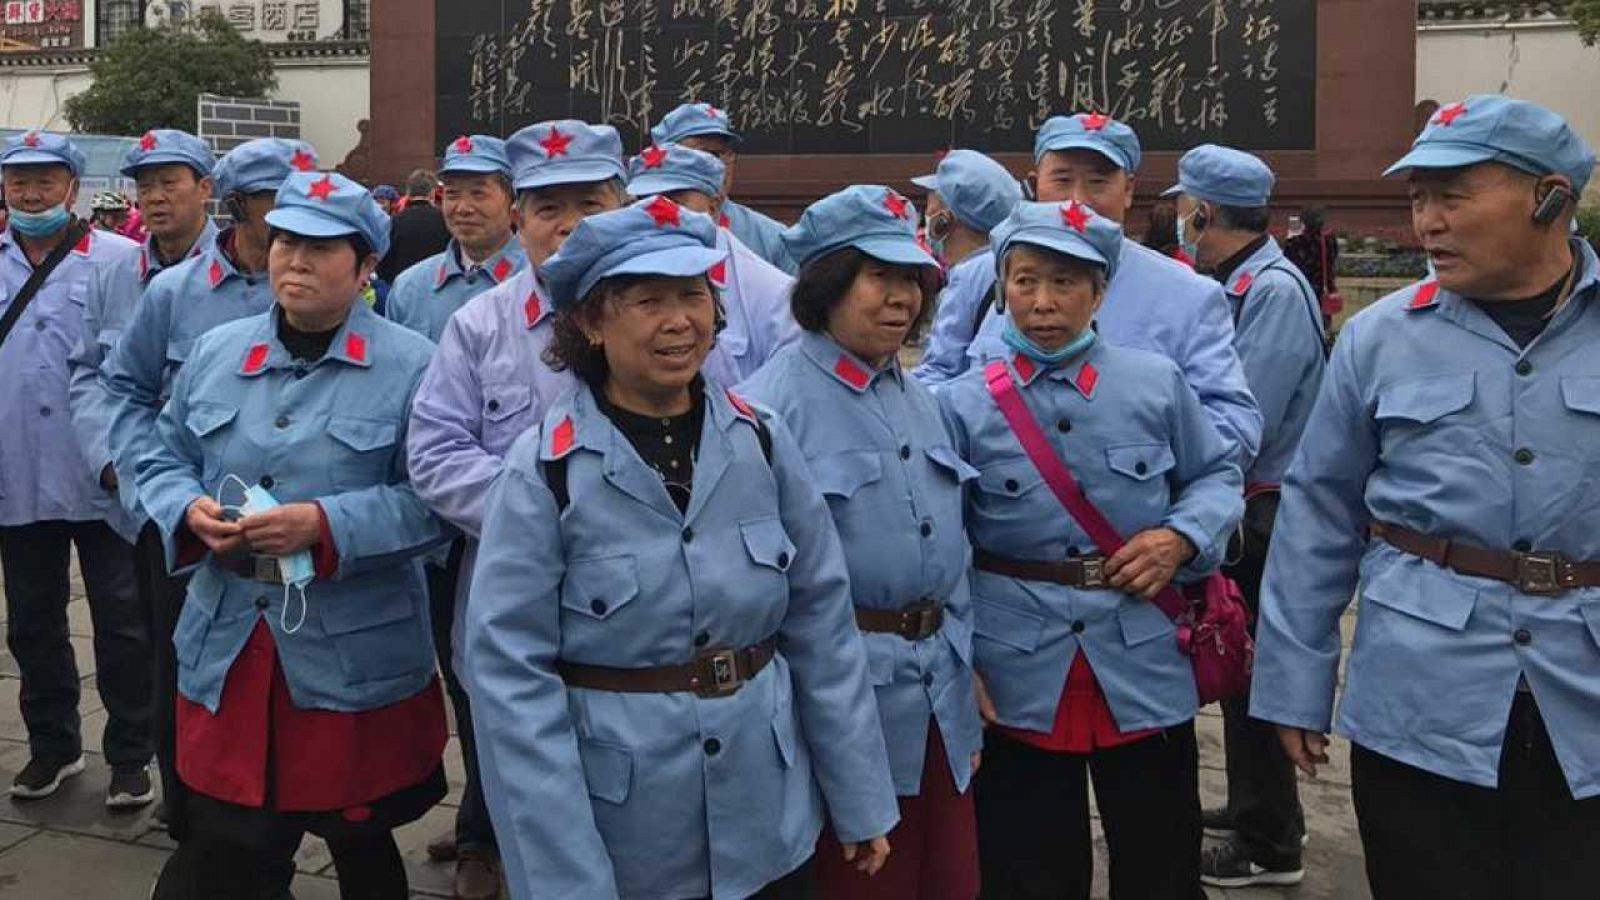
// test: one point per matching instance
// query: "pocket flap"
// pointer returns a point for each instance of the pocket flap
(1425, 400)
(502, 401)
(599, 586)
(1009, 479)
(1140, 462)
(767, 542)
(362, 435)
(946, 458)
(346, 615)
(1408, 587)
(842, 474)
(1581, 394)
(205, 418)
(607, 769)
(1012, 627)
(1142, 621)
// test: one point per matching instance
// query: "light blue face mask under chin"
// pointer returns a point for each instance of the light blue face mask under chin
(1019, 342)
(39, 224)
(297, 569)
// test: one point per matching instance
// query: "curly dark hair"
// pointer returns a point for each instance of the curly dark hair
(824, 281)
(569, 349)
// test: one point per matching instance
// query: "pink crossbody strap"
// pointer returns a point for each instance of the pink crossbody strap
(1003, 388)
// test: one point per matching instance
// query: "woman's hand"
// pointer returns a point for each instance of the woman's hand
(205, 520)
(986, 710)
(283, 530)
(1146, 564)
(869, 856)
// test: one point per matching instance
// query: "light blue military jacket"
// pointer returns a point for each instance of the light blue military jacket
(968, 285)
(597, 794)
(881, 457)
(50, 463)
(1142, 447)
(1157, 303)
(1278, 335)
(760, 233)
(755, 301)
(330, 432)
(1431, 418)
(145, 340)
(149, 264)
(427, 293)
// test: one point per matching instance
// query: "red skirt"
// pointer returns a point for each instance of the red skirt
(1084, 722)
(259, 749)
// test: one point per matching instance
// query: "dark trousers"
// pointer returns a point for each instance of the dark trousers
(161, 600)
(1034, 841)
(1429, 837)
(799, 884)
(37, 565)
(474, 830)
(1263, 796)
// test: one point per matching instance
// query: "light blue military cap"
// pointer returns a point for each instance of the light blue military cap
(168, 146)
(872, 218)
(978, 190)
(694, 120)
(41, 148)
(1223, 175)
(1089, 131)
(1492, 128)
(650, 237)
(1070, 228)
(328, 205)
(262, 165)
(476, 154)
(565, 151)
(662, 168)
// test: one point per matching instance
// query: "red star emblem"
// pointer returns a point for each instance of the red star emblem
(1094, 121)
(713, 112)
(31, 139)
(555, 144)
(463, 144)
(663, 211)
(303, 161)
(895, 204)
(1076, 215)
(940, 155)
(323, 189)
(653, 157)
(148, 142)
(1448, 115)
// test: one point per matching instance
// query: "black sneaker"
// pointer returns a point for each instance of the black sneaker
(130, 788)
(1226, 865)
(1218, 822)
(40, 779)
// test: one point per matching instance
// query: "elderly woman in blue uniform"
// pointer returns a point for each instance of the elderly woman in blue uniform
(876, 448)
(666, 676)
(968, 195)
(753, 292)
(1082, 674)
(479, 208)
(308, 700)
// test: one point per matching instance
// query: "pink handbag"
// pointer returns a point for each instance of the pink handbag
(1211, 617)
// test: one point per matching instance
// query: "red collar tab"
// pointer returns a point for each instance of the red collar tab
(1088, 377)
(501, 270)
(555, 144)
(653, 157)
(724, 222)
(741, 407)
(1448, 115)
(532, 309)
(444, 273)
(562, 438)
(1026, 368)
(256, 358)
(82, 249)
(144, 264)
(719, 274)
(216, 274)
(663, 211)
(1426, 296)
(355, 347)
(1242, 284)
(852, 374)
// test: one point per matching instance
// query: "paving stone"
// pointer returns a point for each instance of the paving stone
(12, 834)
(56, 866)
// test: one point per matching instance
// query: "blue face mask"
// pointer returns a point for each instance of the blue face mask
(40, 224)
(297, 569)
(1019, 342)
(1191, 250)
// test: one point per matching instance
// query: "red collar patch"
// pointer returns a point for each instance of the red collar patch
(355, 347)
(1088, 377)
(741, 407)
(851, 374)
(1024, 367)
(555, 144)
(1425, 296)
(216, 274)
(561, 439)
(1241, 285)
(256, 358)
(653, 157)
(83, 243)
(724, 222)
(532, 309)
(144, 264)
(444, 274)
(501, 270)
(719, 274)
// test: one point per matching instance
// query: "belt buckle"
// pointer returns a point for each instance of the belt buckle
(722, 667)
(266, 569)
(922, 622)
(1094, 571)
(1540, 573)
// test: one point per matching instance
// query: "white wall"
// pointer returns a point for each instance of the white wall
(32, 97)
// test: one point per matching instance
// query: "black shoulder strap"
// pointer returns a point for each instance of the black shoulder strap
(555, 470)
(41, 272)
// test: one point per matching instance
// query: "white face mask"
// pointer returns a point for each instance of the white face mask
(1191, 249)
(298, 570)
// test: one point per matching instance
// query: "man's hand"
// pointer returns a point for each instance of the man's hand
(869, 856)
(1306, 749)
(204, 518)
(1145, 565)
(283, 530)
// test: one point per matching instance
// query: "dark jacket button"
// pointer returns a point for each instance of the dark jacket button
(1077, 627)
(927, 529)
(494, 405)
(713, 746)
(688, 535)
(783, 560)
(282, 422)
(702, 639)
(267, 482)
(1063, 426)
(1011, 485)
(262, 603)
(599, 606)
(1522, 546)
(1523, 636)
(1141, 468)
(1523, 456)
(1523, 367)
(905, 452)
(927, 680)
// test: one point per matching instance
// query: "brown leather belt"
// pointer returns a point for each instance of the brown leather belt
(1537, 573)
(713, 673)
(1087, 572)
(255, 568)
(916, 622)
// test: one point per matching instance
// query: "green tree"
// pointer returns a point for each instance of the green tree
(152, 77)
(1587, 14)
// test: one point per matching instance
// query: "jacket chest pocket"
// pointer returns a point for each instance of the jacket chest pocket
(595, 589)
(1581, 397)
(839, 476)
(363, 451)
(770, 552)
(505, 413)
(375, 637)
(211, 425)
(1425, 410)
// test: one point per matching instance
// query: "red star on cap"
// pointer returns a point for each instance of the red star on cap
(148, 142)
(895, 204)
(1076, 216)
(1448, 115)
(663, 211)
(653, 157)
(463, 144)
(323, 189)
(713, 111)
(303, 161)
(31, 139)
(1094, 121)
(555, 144)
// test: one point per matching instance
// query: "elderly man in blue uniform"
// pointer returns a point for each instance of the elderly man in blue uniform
(1222, 199)
(51, 497)
(478, 206)
(171, 170)
(968, 195)
(705, 127)
(486, 384)
(141, 340)
(1448, 473)
(1152, 303)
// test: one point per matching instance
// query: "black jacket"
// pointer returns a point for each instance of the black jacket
(415, 234)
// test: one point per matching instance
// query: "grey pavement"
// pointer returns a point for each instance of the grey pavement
(69, 847)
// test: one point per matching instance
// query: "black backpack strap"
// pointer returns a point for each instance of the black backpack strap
(1314, 309)
(41, 272)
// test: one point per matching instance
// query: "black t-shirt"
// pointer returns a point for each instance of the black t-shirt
(667, 444)
(309, 346)
(1524, 320)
